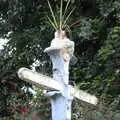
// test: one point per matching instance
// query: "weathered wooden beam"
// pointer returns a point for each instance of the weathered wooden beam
(38, 79)
(84, 96)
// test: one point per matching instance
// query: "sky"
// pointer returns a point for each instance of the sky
(2, 42)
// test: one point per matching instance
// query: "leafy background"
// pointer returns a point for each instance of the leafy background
(95, 29)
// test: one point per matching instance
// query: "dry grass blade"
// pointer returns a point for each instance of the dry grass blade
(61, 9)
(68, 16)
(66, 8)
(68, 28)
(52, 14)
(52, 23)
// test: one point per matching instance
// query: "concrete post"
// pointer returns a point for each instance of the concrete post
(61, 101)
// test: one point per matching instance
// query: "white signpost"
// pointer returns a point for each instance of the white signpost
(60, 92)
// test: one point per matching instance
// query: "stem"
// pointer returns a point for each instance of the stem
(61, 14)
(66, 8)
(68, 16)
(55, 22)
(52, 23)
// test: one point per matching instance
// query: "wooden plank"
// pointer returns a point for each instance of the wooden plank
(84, 96)
(38, 79)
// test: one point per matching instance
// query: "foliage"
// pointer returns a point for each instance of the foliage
(95, 27)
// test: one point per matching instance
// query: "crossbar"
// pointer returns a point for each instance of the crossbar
(38, 79)
(82, 95)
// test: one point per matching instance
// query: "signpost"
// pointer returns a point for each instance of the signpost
(60, 92)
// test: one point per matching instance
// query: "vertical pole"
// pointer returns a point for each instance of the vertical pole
(60, 101)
